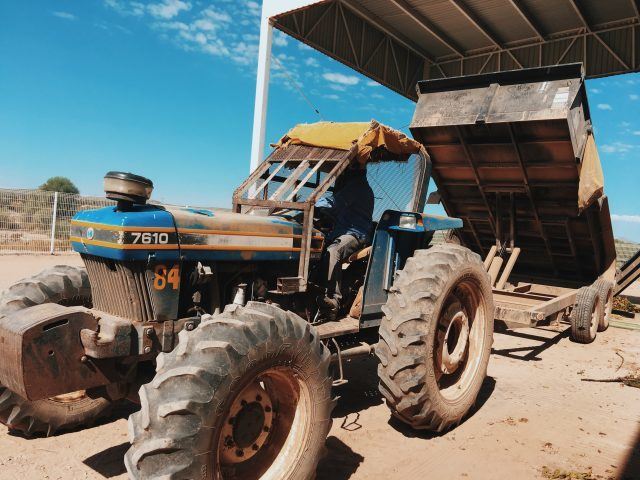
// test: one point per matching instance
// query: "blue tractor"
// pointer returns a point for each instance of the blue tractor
(208, 319)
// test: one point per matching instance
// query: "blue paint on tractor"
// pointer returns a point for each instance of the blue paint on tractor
(200, 211)
(438, 222)
(137, 216)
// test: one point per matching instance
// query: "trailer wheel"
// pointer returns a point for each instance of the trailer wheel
(246, 395)
(64, 285)
(585, 315)
(436, 337)
(605, 292)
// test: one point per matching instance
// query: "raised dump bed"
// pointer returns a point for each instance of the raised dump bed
(519, 145)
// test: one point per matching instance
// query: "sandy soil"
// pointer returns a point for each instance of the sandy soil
(536, 410)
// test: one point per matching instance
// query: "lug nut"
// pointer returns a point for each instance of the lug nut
(255, 447)
(147, 349)
(189, 326)
(148, 332)
(84, 359)
(266, 429)
(267, 409)
(240, 453)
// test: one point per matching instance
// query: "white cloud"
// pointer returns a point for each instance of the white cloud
(332, 96)
(341, 78)
(595, 90)
(625, 218)
(617, 147)
(216, 16)
(280, 39)
(65, 15)
(637, 133)
(634, 96)
(254, 8)
(304, 46)
(605, 106)
(168, 9)
(338, 88)
(311, 62)
(372, 83)
(136, 9)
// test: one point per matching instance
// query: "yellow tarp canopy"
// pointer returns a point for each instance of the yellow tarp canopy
(342, 136)
(591, 186)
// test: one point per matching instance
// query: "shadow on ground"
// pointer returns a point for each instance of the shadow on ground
(488, 386)
(631, 468)
(339, 463)
(361, 392)
(531, 352)
(109, 463)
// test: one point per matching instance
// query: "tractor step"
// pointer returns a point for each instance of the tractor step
(340, 327)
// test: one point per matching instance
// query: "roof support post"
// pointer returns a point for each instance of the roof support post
(262, 92)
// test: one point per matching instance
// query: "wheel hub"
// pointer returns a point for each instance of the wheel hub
(248, 424)
(453, 338)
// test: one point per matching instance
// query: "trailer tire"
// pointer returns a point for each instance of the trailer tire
(585, 315)
(65, 285)
(436, 337)
(605, 292)
(242, 388)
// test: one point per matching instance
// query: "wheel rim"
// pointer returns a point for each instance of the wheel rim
(72, 397)
(459, 340)
(264, 429)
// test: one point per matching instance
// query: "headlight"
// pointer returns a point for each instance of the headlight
(407, 221)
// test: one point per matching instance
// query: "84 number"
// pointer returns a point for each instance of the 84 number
(164, 276)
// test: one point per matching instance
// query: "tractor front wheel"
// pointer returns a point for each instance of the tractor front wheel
(436, 337)
(246, 395)
(67, 286)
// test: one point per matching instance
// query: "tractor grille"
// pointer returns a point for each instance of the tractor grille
(119, 288)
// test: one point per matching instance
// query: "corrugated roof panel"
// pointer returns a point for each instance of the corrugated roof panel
(553, 15)
(450, 21)
(390, 14)
(599, 60)
(360, 43)
(502, 19)
(600, 12)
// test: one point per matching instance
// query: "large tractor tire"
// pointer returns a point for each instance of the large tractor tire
(68, 286)
(605, 292)
(436, 337)
(586, 315)
(246, 395)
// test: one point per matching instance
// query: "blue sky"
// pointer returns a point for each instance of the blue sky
(165, 89)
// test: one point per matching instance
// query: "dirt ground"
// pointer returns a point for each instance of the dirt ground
(536, 413)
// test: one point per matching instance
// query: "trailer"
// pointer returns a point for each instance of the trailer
(513, 154)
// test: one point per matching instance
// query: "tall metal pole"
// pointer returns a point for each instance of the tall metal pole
(52, 244)
(262, 92)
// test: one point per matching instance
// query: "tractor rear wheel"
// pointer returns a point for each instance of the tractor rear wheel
(585, 315)
(436, 337)
(68, 286)
(246, 395)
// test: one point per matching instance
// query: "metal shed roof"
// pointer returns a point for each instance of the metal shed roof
(398, 42)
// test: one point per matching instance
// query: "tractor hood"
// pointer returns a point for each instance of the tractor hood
(168, 233)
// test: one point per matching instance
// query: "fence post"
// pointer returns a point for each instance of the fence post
(52, 246)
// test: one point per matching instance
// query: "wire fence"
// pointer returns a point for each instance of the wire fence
(37, 221)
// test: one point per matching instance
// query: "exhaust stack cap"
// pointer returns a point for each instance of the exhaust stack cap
(127, 187)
